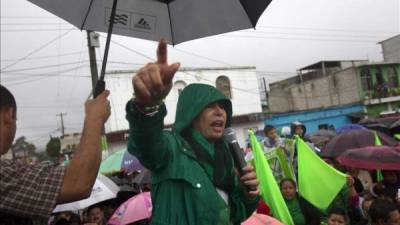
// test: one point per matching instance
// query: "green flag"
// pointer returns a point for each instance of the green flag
(377, 140)
(397, 136)
(379, 176)
(269, 189)
(319, 183)
(285, 165)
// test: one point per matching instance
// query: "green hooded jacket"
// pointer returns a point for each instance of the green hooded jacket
(182, 189)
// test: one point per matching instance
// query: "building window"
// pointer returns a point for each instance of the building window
(224, 85)
(366, 79)
(393, 82)
(179, 86)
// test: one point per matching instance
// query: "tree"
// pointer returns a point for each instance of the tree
(23, 148)
(53, 147)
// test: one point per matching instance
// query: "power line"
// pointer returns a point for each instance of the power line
(36, 30)
(29, 17)
(47, 74)
(326, 29)
(203, 57)
(197, 55)
(27, 81)
(314, 35)
(36, 50)
(42, 76)
(45, 57)
(152, 59)
(299, 39)
(42, 67)
(32, 24)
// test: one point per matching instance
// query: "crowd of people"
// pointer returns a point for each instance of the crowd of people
(358, 203)
(194, 177)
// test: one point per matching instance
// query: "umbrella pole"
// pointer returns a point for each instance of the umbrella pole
(101, 85)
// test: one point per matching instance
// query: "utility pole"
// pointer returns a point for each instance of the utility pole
(265, 92)
(61, 115)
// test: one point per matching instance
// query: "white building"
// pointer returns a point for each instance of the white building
(69, 144)
(240, 83)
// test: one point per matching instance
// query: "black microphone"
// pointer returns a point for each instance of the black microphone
(237, 153)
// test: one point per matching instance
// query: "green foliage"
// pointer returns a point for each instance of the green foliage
(53, 147)
(22, 147)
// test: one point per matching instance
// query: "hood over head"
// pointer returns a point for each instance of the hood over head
(193, 99)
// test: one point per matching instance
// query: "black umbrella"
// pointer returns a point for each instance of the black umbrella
(372, 158)
(322, 136)
(355, 139)
(378, 127)
(395, 127)
(175, 20)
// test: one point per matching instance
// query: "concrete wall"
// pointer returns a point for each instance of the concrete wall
(338, 89)
(391, 49)
(280, 98)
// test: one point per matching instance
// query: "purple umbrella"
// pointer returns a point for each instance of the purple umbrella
(349, 127)
(355, 139)
(120, 160)
(372, 158)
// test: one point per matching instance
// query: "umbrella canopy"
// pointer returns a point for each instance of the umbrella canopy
(366, 121)
(103, 189)
(175, 20)
(120, 160)
(349, 127)
(355, 139)
(371, 158)
(395, 127)
(378, 127)
(322, 136)
(261, 219)
(325, 133)
(137, 208)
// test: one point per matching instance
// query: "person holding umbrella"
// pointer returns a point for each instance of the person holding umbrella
(193, 175)
(29, 193)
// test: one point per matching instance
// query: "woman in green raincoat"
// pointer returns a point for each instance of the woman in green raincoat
(193, 176)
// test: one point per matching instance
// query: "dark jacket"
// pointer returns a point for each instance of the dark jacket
(311, 214)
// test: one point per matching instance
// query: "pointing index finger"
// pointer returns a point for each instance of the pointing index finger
(162, 52)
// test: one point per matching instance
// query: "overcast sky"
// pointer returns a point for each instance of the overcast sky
(45, 63)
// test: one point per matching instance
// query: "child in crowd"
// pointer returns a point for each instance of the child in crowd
(336, 216)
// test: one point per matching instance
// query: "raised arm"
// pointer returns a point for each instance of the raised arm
(82, 171)
(146, 111)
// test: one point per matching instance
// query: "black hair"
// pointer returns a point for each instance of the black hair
(380, 210)
(268, 128)
(95, 206)
(287, 180)
(7, 100)
(337, 211)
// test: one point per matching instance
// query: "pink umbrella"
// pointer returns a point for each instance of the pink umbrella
(261, 219)
(137, 208)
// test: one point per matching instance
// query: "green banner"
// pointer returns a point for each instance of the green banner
(269, 188)
(319, 183)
